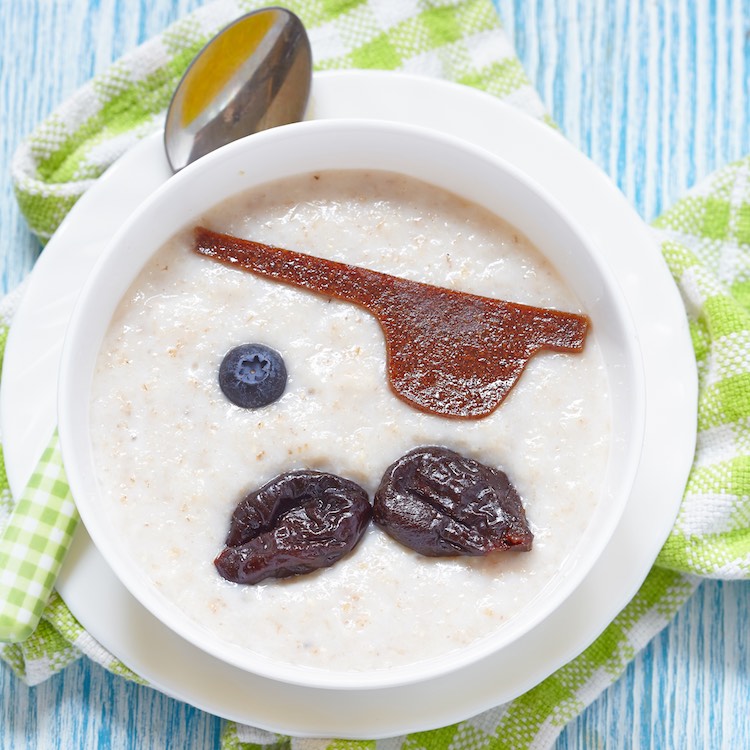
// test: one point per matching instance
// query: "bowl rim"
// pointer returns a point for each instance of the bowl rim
(138, 583)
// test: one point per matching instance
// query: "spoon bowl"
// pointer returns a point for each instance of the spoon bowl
(253, 75)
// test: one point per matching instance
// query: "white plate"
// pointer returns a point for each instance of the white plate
(118, 622)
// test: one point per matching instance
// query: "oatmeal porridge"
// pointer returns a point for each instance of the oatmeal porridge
(175, 456)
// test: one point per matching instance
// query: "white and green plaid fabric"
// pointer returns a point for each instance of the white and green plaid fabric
(33, 545)
(705, 240)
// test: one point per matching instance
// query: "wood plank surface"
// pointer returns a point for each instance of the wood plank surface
(656, 93)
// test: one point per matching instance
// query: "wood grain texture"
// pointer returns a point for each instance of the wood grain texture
(656, 93)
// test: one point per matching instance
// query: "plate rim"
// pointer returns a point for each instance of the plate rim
(332, 85)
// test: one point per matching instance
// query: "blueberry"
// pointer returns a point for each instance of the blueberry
(252, 375)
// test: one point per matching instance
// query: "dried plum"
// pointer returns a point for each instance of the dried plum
(294, 524)
(439, 503)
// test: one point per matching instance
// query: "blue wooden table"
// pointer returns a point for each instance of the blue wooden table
(657, 94)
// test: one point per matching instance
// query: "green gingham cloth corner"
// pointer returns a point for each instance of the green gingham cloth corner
(705, 240)
(33, 545)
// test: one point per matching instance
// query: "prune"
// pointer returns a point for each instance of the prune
(440, 503)
(252, 375)
(294, 524)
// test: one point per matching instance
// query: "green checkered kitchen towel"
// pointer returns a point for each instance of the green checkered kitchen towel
(33, 545)
(705, 240)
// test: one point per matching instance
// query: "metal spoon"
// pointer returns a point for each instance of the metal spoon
(253, 75)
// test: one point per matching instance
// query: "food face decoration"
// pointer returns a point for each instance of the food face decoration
(449, 353)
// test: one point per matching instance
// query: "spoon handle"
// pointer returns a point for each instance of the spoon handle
(33, 546)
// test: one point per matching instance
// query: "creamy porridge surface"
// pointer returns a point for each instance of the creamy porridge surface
(175, 457)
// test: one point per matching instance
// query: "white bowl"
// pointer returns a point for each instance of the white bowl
(444, 161)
